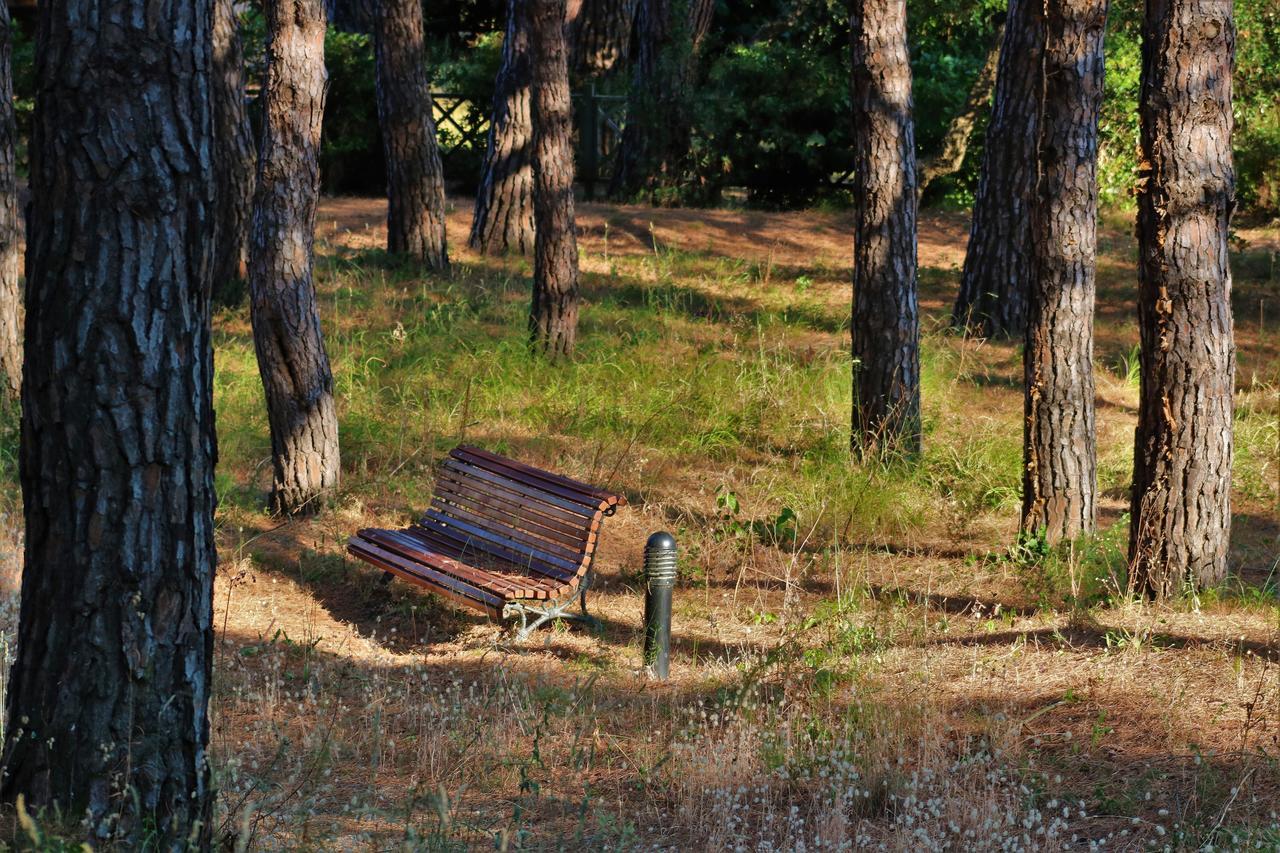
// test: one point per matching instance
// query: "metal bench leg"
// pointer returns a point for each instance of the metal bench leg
(552, 610)
(584, 617)
(526, 630)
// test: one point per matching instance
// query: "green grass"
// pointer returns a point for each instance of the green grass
(688, 363)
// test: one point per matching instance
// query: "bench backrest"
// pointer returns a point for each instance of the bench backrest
(489, 508)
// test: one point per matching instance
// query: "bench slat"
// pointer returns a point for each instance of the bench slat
(466, 546)
(523, 489)
(556, 582)
(524, 475)
(493, 459)
(507, 506)
(393, 542)
(534, 583)
(474, 542)
(514, 534)
(507, 586)
(440, 583)
(505, 541)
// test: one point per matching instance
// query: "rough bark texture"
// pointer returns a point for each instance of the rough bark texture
(997, 263)
(886, 371)
(233, 157)
(659, 120)
(286, 323)
(10, 226)
(955, 145)
(1059, 483)
(415, 178)
(599, 35)
(701, 15)
(553, 315)
(503, 220)
(1181, 512)
(108, 693)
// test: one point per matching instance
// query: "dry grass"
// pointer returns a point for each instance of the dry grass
(885, 673)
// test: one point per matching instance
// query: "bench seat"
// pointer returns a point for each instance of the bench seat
(499, 536)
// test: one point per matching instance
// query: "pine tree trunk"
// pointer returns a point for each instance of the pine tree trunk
(599, 35)
(1059, 485)
(10, 226)
(885, 325)
(503, 220)
(108, 693)
(1181, 512)
(955, 144)
(656, 138)
(553, 316)
(286, 321)
(701, 15)
(997, 263)
(415, 178)
(233, 157)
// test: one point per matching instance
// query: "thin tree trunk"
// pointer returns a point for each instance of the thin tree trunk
(553, 315)
(1181, 511)
(286, 322)
(599, 35)
(10, 226)
(108, 693)
(415, 178)
(997, 264)
(886, 372)
(955, 144)
(701, 15)
(503, 220)
(1059, 484)
(233, 157)
(656, 138)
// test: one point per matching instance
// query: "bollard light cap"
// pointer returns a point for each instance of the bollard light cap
(661, 541)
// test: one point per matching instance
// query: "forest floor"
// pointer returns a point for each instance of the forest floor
(862, 658)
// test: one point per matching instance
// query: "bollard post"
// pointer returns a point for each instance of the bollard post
(660, 579)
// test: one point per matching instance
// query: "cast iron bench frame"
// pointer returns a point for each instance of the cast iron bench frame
(501, 537)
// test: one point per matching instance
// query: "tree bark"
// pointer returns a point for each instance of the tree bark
(997, 264)
(1181, 510)
(10, 226)
(553, 315)
(656, 138)
(503, 220)
(955, 145)
(233, 157)
(885, 324)
(1059, 483)
(599, 35)
(109, 690)
(286, 323)
(415, 178)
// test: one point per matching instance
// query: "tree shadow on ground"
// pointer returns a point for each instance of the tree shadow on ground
(1101, 637)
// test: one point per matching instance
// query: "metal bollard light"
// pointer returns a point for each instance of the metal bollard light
(660, 578)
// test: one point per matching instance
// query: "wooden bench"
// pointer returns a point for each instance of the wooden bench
(499, 536)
